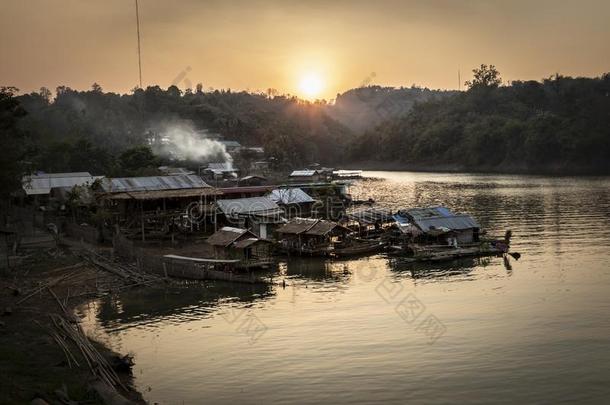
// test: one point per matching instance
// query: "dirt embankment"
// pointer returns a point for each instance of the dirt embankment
(37, 360)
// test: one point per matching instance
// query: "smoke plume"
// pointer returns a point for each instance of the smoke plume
(182, 141)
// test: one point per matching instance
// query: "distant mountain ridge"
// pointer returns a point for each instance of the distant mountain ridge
(364, 108)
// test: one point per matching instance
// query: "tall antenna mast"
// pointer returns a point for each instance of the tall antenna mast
(139, 53)
(459, 80)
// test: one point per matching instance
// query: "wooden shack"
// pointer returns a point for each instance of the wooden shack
(440, 225)
(369, 222)
(243, 245)
(311, 236)
(157, 206)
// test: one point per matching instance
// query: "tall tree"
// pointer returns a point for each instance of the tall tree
(12, 141)
(485, 76)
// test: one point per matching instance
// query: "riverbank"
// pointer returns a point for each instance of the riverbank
(50, 283)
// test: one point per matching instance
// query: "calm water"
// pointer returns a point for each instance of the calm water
(375, 329)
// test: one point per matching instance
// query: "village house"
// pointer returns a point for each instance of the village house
(259, 214)
(369, 220)
(439, 224)
(157, 206)
(37, 187)
(311, 236)
(307, 175)
(293, 201)
(243, 245)
(220, 171)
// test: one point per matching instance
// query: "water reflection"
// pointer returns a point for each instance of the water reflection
(539, 323)
(176, 303)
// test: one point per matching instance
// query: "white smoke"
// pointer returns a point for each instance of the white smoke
(183, 142)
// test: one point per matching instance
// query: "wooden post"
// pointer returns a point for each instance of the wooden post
(142, 219)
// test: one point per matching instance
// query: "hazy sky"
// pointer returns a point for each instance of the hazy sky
(260, 44)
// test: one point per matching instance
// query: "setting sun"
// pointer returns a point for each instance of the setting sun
(311, 85)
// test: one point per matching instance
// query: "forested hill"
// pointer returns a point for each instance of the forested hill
(559, 125)
(364, 108)
(85, 130)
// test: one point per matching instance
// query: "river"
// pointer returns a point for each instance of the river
(379, 330)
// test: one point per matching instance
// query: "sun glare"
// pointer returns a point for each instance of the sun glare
(311, 85)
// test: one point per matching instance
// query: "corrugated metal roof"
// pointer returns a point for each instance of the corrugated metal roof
(173, 171)
(155, 195)
(42, 183)
(221, 167)
(297, 226)
(308, 226)
(371, 215)
(227, 235)
(152, 183)
(440, 217)
(347, 173)
(244, 243)
(303, 173)
(456, 222)
(290, 196)
(322, 228)
(248, 206)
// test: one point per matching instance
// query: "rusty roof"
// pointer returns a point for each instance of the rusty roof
(308, 226)
(248, 206)
(153, 195)
(244, 243)
(153, 183)
(325, 227)
(297, 226)
(227, 235)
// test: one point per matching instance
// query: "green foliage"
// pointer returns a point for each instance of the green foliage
(561, 124)
(88, 130)
(12, 139)
(139, 160)
(484, 76)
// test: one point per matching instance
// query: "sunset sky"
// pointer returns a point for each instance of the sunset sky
(307, 48)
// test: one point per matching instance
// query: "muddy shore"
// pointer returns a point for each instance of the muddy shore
(32, 362)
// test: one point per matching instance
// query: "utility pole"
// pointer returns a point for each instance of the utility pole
(139, 53)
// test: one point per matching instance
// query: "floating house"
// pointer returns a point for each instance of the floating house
(243, 245)
(311, 236)
(369, 221)
(259, 214)
(439, 224)
(294, 201)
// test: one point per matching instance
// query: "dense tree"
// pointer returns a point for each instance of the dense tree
(561, 124)
(485, 76)
(12, 139)
(139, 160)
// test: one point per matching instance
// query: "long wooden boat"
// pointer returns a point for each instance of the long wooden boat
(436, 253)
(197, 268)
(359, 247)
